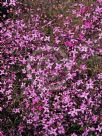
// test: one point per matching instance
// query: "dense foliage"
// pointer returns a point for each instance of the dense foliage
(51, 68)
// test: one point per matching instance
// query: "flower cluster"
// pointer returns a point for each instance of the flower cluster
(51, 71)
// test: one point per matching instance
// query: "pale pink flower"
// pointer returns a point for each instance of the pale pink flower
(83, 108)
(29, 76)
(74, 112)
(73, 134)
(89, 85)
(99, 10)
(99, 76)
(84, 95)
(94, 118)
(16, 110)
(1, 134)
(47, 38)
(100, 35)
(29, 121)
(99, 128)
(61, 130)
(0, 108)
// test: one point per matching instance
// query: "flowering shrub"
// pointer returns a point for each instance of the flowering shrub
(51, 70)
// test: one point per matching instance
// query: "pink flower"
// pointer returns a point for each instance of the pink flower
(29, 76)
(0, 108)
(16, 110)
(89, 85)
(99, 76)
(47, 38)
(20, 128)
(84, 95)
(61, 130)
(53, 132)
(100, 36)
(88, 24)
(83, 107)
(73, 134)
(94, 118)
(82, 10)
(100, 1)
(69, 44)
(99, 128)
(29, 121)
(74, 112)
(81, 37)
(1, 134)
(40, 108)
(98, 10)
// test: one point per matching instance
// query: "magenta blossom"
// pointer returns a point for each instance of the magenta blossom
(1, 134)
(69, 44)
(88, 24)
(100, 1)
(81, 37)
